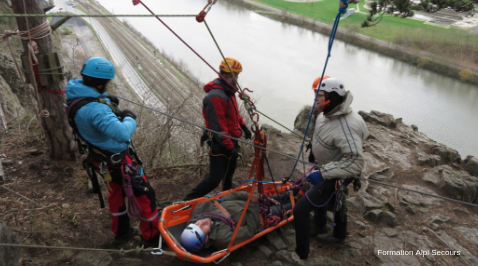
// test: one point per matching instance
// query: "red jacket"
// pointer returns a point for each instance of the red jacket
(221, 113)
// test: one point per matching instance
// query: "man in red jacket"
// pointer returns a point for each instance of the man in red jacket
(221, 114)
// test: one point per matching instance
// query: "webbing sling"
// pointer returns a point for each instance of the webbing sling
(94, 180)
(222, 209)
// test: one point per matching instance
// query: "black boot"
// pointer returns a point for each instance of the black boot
(123, 238)
(316, 230)
(151, 243)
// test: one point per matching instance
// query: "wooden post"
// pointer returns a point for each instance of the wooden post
(58, 133)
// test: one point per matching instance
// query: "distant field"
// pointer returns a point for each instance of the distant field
(453, 44)
(387, 30)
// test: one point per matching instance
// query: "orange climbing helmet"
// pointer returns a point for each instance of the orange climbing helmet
(317, 82)
(233, 63)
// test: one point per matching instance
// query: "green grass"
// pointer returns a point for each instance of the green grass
(387, 30)
(66, 30)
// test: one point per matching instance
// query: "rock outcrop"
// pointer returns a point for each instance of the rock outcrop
(413, 217)
(9, 103)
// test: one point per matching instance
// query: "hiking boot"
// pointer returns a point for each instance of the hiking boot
(319, 230)
(152, 243)
(329, 238)
(131, 233)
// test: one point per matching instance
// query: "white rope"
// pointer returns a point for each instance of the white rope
(39, 32)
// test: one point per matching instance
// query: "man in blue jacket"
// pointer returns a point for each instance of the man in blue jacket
(107, 132)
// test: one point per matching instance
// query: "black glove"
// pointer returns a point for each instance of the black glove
(204, 136)
(308, 146)
(311, 157)
(126, 113)
(357, 184)
(233, 154)
(137, 183)
(113, 99)
(247, 132)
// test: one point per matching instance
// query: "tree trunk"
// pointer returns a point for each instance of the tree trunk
(58, 133)
(3, 128)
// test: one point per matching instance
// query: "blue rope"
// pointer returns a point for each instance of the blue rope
(319, 206)
(331, 41)
(218, 199)
(323, 205)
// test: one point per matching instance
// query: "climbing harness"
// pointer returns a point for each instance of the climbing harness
(133, 206)
(100, 161)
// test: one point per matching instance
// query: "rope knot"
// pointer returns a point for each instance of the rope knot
(33, 46)
(138, 249)
(122, 252)
(8, 33)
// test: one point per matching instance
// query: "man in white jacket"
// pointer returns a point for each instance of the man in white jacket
(337, 143)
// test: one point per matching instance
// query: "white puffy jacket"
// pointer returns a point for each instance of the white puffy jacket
(338, 141)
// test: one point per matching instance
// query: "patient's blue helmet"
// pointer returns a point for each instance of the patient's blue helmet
(193, 238)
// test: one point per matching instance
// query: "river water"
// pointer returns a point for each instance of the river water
(281, 61)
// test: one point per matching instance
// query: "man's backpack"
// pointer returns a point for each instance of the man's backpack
(73, 106)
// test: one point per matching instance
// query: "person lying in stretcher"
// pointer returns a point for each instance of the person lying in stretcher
(213, 222)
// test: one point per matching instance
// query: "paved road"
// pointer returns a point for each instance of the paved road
(119, 59)
(76, 24)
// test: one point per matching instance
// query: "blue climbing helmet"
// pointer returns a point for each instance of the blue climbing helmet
(98, 67)
(193, 238)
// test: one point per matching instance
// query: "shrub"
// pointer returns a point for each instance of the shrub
(467, 75)
(66, 30)
(423, 61)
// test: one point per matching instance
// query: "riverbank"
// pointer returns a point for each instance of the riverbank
(419, 58)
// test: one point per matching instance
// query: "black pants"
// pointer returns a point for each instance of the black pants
(319, 195)
(220, 166)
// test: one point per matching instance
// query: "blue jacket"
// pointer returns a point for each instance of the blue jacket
(97, 123)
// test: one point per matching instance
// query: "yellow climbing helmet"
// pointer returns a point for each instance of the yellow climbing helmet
(233, 63)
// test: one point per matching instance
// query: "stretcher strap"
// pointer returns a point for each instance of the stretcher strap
(222, 209)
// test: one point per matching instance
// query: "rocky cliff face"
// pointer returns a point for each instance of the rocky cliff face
(9, 103)
(425, 229)
(10, 84)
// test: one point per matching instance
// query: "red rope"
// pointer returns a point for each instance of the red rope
(43, 88)
(135, 2)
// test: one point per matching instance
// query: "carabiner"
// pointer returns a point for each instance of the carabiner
(113, 160)
(103, 170)
(202, 15)
(255, 114)
(157, 251)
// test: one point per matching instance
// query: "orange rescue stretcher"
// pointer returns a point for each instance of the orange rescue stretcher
(174, 218)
